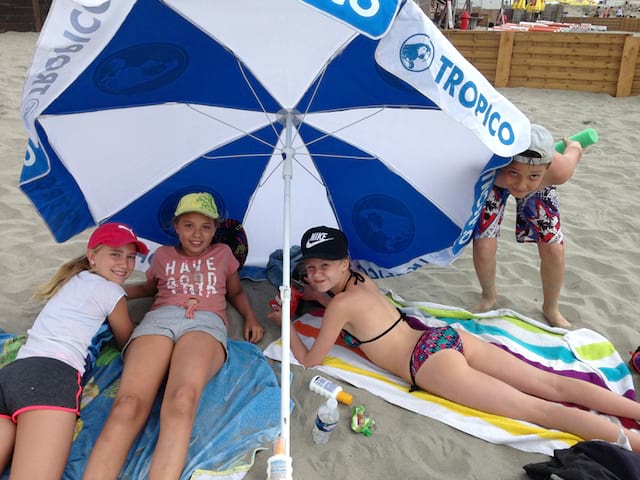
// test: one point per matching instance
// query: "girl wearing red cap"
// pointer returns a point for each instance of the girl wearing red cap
(40, 391)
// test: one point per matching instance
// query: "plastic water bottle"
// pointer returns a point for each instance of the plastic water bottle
(328, 389)
(326, 421)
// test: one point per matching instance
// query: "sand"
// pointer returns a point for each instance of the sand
(601, 290)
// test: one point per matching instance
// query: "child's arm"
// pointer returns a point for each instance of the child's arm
(141, 290)
(253, 331)
(332, 323)
(310, 294)
(120, 322)
(563, 165)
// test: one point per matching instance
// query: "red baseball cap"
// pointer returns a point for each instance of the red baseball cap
(116, 235)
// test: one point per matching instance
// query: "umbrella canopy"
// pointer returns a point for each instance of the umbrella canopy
(263, 103)
(131, 104)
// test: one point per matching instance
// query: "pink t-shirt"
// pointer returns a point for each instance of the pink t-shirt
(204, 278)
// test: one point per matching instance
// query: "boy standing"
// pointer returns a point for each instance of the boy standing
(531, 178)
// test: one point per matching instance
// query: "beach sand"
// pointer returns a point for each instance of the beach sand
(602, 283)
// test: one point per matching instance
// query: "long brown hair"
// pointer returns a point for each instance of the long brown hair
(62, 276)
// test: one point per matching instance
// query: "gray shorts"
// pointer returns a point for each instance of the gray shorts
(39, 383)
(170, 321)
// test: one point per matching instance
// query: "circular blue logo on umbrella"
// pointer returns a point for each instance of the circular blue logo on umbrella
(140, 68)
(417, 52)
(383, 223)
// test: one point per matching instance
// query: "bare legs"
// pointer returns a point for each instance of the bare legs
(484, 261)
(551, 275)
(194, 360)
(42, 444)
(146, 362)
(492, 380)
(7, 440)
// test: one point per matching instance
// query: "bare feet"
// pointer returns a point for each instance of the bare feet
(555, 318)
(485, 304)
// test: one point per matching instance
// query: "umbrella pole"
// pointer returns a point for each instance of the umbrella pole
(286, 298)
(281, 458)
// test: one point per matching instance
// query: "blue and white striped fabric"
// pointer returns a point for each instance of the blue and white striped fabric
(131, 104)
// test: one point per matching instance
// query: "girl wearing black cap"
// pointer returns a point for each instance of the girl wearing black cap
(443, 361)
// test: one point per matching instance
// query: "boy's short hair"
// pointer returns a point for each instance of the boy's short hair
(540, 151)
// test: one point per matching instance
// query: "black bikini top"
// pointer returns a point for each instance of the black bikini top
(357, 276)
(354, 342)
(347, 337)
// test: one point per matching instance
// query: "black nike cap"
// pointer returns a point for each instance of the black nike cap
(324, 242)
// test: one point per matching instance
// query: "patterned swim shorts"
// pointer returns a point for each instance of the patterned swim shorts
(537, 216)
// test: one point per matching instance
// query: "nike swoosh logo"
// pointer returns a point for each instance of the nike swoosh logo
(313, 243)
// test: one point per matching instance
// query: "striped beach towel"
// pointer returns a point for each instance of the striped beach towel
(580, 353)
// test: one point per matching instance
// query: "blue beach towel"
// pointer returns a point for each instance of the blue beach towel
(239, 414)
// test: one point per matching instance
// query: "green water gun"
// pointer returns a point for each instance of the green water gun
(585, 138)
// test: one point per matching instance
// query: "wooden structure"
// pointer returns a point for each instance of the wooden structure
(23, 15)
(613, 24)
(591, 62)
(594, 62)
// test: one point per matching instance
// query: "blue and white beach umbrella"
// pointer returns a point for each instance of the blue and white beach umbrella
(288, 116)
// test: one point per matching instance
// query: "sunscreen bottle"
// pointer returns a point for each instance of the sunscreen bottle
(328, 389)
(279, 465)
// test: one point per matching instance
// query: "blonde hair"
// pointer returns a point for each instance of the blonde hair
(62, 276)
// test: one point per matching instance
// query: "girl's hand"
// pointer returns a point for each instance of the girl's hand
(253, 331)
(190, 306)
(311, 294)
(275, 315)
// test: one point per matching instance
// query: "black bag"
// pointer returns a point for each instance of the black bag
(592, 460)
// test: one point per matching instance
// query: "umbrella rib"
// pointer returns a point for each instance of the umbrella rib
(330, 134)
(333, 155)
(248, 155)
(248, 134)
(313, 96)
(328, 155)
(255, 95)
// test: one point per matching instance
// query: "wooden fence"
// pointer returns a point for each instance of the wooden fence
(23, 15)
(613, 24)
(591, 62)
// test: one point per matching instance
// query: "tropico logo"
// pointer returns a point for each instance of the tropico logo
(417, 53)
(369, 11)
(29, 156)
(29, 107)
